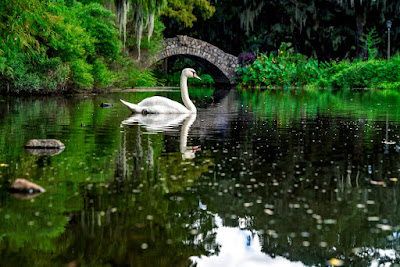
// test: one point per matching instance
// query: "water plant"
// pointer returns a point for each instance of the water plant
(284, 68)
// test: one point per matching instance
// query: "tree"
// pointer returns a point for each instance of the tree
(183, 11)
(325, 29)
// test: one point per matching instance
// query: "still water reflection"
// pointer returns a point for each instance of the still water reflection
(284, 178)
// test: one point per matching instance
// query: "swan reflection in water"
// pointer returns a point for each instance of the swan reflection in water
(168, 123)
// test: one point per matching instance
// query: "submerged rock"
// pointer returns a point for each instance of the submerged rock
(24, 186)
(22, 195)
(106, 105)
(45, 151)
(45, 143)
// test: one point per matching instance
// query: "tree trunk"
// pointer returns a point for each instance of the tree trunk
(360, 22)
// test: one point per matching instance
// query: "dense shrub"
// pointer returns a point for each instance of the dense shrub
(82, 73)
(55, 45)
(286, 68)
(131, 75)
(368, 74)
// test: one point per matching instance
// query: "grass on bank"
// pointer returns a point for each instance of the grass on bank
(289, 69)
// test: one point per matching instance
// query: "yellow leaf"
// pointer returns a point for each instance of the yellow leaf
(336, 262)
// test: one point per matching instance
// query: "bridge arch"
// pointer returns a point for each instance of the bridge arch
(221, 66)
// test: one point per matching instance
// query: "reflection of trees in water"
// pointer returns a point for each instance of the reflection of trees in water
(307, 185)
(300, 172)
(146, 214)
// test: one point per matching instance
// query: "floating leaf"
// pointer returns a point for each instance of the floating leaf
(336, 262)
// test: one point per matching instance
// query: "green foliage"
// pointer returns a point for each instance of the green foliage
(142, 78)
(368, 74)
(132, 75)
(50, 74)
(154, 44)
(286, 68)
(371, 40)
(50, 46)
(99, 23)
(324, 31)
(101, 74)
(82, 73)
(183, 11)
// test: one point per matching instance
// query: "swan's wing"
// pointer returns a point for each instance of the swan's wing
(159, 104)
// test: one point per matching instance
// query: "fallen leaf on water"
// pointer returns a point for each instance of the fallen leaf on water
(378, 182)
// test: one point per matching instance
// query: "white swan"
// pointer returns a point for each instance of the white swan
(159, 104)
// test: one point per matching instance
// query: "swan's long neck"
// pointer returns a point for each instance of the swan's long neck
(185, 95)
(187, 123)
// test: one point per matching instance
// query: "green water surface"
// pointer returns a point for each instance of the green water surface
(297, 177)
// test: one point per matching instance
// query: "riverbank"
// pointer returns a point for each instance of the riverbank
(58, 47)
(286, 68)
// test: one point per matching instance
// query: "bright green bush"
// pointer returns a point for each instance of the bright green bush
(362, 74)
(103, 77)
(82, 74)
(49, 45)
(287, 68)
(49, 75)
(292, 69)
(99, 23)
(132, 75)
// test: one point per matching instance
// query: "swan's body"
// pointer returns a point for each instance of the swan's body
(159, 104)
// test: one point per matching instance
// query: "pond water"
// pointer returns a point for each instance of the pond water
(265, 178)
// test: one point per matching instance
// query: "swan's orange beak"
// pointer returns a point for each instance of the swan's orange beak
(196, 76)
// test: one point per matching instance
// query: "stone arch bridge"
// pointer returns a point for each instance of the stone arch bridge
(221, 66)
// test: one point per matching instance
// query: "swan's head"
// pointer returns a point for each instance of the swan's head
(190, 73)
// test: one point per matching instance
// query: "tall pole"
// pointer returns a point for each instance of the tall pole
(388, 25)
(388, 50)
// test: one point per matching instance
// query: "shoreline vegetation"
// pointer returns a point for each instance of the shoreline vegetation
(65, 46)
(55, 47)
(49, 47)
(286, 68)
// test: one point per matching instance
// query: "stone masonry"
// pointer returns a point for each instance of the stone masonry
(185, 45)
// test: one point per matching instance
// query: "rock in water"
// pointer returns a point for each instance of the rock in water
(23, 195)
(45, 143)
(45, 151)
(24, 186)
(106, 105)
